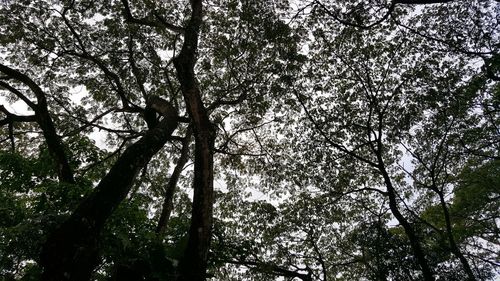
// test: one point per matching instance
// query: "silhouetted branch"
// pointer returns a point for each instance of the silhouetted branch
(160, 21)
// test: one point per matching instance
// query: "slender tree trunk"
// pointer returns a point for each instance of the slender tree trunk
(453, 245)
(71, 251)
(167, 205)
(410, 233)
(194, 264)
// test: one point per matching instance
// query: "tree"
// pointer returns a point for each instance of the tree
(347, 89)
(316, 106)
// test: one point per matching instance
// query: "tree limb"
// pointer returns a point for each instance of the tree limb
(71, 251)
(272, 269)
(11, 117)
(18, 94)
(361, 26)
(160, 21)
(421, 2)
(168, 198)
(44, 120)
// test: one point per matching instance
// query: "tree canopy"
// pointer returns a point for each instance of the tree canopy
(249, 140)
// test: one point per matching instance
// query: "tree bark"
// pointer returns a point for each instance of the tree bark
(194, 264)
(71, 251)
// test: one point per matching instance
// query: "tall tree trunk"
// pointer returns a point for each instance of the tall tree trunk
(194, 264)
(451, 240)
(410, 232)
(71, 251)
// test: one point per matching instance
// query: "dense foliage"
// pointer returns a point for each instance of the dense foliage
(249, 140)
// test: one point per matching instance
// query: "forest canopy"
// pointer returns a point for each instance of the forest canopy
(249, 140)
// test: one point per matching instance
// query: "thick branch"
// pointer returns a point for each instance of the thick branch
(23, 78)
(71, 252)
(11, 117)
(44, 120)
(9, 121)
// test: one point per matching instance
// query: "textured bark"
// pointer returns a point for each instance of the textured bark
(42, 116)
(193, 266)
(71, 251)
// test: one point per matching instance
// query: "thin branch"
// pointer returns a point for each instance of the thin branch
(421, 2)
(330, 141)
(160, 21)
(272, 269)
(361, 26)
(135, 70)
(112, 76)
(168, 198)
(242, 130)
(90, 123)
(441, 41)
(239, 153)
(109, 156)
(221, 101)
(320, 257)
